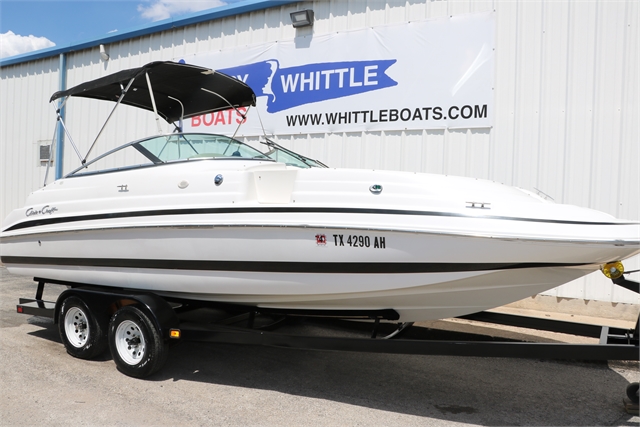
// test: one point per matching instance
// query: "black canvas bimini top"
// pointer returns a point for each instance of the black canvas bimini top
(168, 79)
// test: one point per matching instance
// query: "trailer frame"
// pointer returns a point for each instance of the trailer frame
(614, 343)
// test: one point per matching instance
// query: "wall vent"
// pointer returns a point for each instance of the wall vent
(45, 152)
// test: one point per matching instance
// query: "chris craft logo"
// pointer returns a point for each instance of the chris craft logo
(305, 84)
(46, 210)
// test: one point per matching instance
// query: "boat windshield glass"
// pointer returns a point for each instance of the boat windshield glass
(293, 159)
(168, 148)
(185, 147)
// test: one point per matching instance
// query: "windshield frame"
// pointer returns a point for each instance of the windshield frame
(155, 160)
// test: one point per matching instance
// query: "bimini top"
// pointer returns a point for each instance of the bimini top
(199, 90)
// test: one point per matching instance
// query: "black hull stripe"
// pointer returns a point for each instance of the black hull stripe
(281, 267)
(200, 211)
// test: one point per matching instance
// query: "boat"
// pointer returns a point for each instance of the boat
(205, 217)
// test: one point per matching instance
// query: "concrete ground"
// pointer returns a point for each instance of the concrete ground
(229, 385)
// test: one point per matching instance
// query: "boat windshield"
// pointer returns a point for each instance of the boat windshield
(184, 147)
(293, 159)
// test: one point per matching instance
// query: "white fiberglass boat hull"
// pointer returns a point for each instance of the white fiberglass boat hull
(434, 295)
(427, 246)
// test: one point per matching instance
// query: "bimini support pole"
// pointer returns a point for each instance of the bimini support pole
(181, 114)
(51, 154)
(244, 116)
(59, 112)
(123, 92)
(153, 103)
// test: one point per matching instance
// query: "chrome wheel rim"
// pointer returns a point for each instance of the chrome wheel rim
(130, 342)
(76, 327)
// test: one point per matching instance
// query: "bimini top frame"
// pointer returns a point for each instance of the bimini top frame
(171, 81)
(173, 91)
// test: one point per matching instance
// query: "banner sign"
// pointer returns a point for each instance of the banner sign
(421, 75)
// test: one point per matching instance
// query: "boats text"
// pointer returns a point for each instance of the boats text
(225, 117)
(465, 112)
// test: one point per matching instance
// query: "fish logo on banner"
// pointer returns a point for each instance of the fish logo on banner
(305, 84)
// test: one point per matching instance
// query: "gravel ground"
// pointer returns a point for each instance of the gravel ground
(229, 385)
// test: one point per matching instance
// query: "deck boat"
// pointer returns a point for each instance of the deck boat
(206, 217)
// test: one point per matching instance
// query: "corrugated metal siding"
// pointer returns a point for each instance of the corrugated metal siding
(26, 121)
(566, 103)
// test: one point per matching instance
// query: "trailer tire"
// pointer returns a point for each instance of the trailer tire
(135, 343)
(632, 392)
(81, 333)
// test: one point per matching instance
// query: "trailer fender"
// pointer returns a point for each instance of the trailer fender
(104, 303)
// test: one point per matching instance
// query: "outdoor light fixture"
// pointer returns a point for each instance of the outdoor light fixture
(103, 53)
(302, 18)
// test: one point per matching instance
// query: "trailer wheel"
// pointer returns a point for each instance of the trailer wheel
(632, 392)
(136, 345)
(81, 333)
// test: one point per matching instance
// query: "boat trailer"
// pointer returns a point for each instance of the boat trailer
(138, 326)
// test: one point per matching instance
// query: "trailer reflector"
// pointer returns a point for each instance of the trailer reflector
(613, 270)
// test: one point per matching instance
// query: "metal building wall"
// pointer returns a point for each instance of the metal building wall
(26, 121)
(566, 103)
